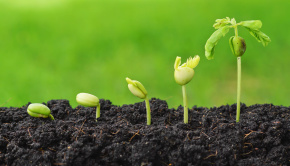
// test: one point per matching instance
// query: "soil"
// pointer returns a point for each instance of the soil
(121, 136)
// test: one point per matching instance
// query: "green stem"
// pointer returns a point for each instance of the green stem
(236, 31)
(98, 112)
(148, 111)
(185, 104)
(239, 71)
(51, 117)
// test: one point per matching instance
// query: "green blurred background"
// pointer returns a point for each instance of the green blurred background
(55, 49)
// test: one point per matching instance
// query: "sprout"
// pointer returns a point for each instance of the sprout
(88, 100)
(237, 44)
(138, 90)
(183, 74)
(39, 111)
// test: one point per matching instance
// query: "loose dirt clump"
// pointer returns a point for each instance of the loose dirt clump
(121, 136)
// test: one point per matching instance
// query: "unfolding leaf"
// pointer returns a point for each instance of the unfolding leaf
(177, 62)
(260, 36)
(192, 62)
(213, 40)
(252, 24)
(221, 22)
(233, 21)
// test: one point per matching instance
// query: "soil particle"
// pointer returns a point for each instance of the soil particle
(121, 137)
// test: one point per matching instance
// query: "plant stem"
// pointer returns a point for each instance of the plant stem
(236, 31)
(239, 71)
(51, 117)
(148, 111)
(98, 112)
(185, 104)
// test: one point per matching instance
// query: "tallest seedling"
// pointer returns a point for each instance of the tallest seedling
(237, 44)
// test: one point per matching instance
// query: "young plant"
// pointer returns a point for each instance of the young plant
(138, 90)
(39, 111)
(183, 75)
(88, 100)
(237, 44)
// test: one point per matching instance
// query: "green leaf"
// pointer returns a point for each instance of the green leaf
(233, 21)
(213, 40)
(252, 24)
(260, 36)
(221, 22)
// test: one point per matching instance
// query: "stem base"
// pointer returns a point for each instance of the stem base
(239, 71)
(185, 104)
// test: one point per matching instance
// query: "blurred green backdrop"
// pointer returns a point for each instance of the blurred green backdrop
(58, 48)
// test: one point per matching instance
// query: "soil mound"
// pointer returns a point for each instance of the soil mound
(121, 136)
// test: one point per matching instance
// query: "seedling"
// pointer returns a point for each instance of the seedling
(88, 100)
(39, 111)
(183, 74)
(237, 44)
(138, 90)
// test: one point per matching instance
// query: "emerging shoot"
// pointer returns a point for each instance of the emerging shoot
(183, 74)
(138, 90)
(39, 111)
(88, 100)
(237, 44)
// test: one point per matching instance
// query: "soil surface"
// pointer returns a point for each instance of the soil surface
(121, 136)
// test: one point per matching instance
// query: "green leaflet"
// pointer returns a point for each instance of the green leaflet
(260, 36)
(252, 24)
(221, 22)
(213, 40)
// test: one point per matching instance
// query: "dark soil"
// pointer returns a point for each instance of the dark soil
(121, 136)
